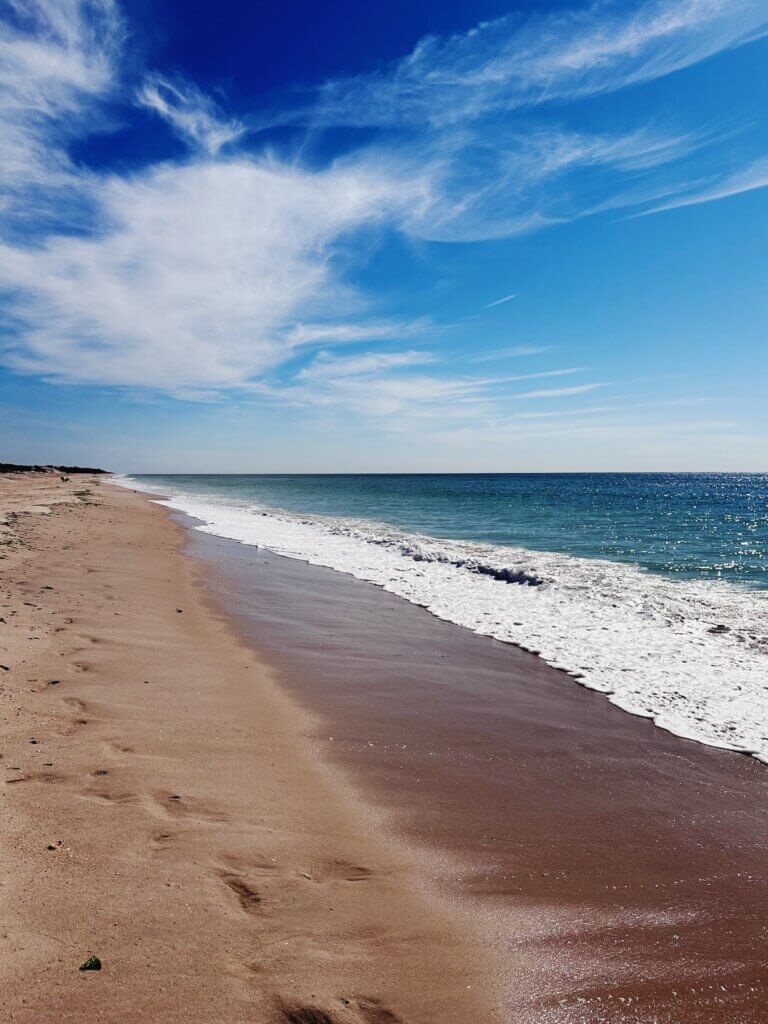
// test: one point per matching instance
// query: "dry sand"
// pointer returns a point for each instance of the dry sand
(165, 810)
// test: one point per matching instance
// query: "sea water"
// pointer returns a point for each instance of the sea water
(652, 588)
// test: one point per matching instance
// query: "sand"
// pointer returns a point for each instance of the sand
(166, 809)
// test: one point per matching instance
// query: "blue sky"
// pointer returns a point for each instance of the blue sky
(306, 237)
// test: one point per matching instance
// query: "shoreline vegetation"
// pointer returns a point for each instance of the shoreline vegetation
(13, 467)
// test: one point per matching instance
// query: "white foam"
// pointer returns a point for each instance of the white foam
(642, 639)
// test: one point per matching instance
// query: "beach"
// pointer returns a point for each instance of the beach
(260, 790)
(199, 847)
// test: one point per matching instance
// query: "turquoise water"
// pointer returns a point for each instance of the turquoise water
(683, 525)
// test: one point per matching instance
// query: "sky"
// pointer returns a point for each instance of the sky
(412, 236)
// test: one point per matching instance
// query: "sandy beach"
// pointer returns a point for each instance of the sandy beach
(164, 811)
(262, 791)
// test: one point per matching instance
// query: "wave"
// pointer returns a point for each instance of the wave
(692, 655)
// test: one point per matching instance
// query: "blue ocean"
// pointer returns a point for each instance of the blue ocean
(685, 525)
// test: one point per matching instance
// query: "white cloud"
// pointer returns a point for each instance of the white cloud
(193, 115)
(489, 181)
(199, 273)
(347, 333)
(54, 59)
(387, 384)
(513, 352)
(513, 62)
(490, 175)
(748, 179)
(579, 389)
(542, 373)
(204, 275)
(337, 368)
(501, 301)
(57, 59)
(388, 395)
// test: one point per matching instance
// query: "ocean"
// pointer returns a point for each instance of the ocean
(651, 588)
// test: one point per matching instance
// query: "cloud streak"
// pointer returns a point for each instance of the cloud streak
(512, 352)
(753, 177)
(578, 389)
(513, 62)
(57, 64)
(190, 113)
(500, 302)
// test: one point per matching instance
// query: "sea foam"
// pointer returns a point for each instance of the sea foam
(691, 655)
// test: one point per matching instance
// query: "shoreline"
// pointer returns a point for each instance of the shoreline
(607, 863)
(688, 655)
(167, 813)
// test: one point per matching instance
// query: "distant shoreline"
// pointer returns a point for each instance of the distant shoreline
(13, 467)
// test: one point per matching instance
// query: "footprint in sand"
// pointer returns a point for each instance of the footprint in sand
(115, 747)
(305, 1015)
(83, 711)
(247, 895)
(231, 864)
(338, 871)
(364, 1010)
(375, 1012)
(49, 778)
(161, 841)
(174, 805)
(109, 797)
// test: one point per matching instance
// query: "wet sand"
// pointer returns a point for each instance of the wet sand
(617, 873)
(164, 807)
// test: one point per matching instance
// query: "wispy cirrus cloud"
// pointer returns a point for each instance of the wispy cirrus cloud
(492, 176)
(412, 384)
(498, 181)
(369, 364)
(191, 114)
(501, 301)
(539, 375)
(58, 62)
(752, 177)
(389, 386)
(517, 62)
(510, 352)
(348, 333)
(577, 389)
